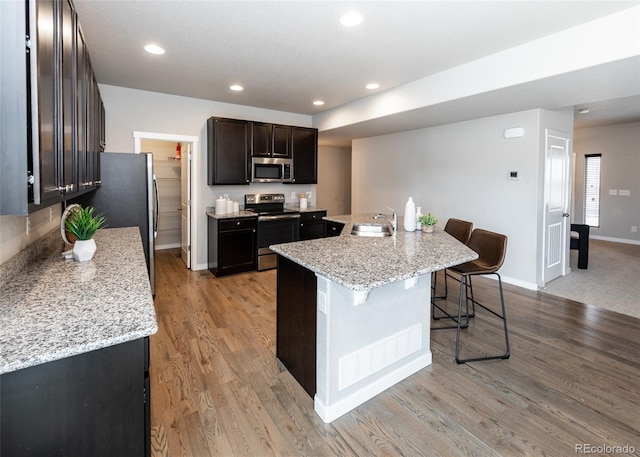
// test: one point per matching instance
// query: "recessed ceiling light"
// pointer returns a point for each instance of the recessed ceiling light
(351, 19)
(318, 103)
(372, 86)
(154, 49)
(236, 87)
(584, 111)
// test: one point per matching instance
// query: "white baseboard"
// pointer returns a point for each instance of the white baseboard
(161, 247)
(614, 240)
(518, 282)
(514, 282)
(330, 413)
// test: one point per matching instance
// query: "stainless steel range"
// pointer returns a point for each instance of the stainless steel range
(276, 224)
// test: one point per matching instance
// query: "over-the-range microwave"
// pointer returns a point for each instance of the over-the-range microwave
(267, 169)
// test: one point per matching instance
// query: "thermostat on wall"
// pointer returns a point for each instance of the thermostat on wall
(514, 176)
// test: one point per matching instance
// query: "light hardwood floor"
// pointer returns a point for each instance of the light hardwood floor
(217, 389)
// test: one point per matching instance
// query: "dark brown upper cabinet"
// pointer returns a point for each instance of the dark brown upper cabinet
(51, 107)
(270, 140)
(261, 139)
(304, 151)
(282, 141)
(228, 150)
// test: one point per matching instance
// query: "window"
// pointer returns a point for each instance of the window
(592, 189)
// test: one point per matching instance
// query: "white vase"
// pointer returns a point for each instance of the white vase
(84, 250)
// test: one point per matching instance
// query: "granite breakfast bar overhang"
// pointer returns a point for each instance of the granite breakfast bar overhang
(353, 313)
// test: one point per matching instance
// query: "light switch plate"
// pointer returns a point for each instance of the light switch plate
(613, 191)
(624, 192)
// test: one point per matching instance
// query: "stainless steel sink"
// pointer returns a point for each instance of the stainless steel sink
(370, 229)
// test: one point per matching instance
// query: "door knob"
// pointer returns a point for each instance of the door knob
(565, 214)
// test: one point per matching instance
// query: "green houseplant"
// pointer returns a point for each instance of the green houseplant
(83, 224)
(427, 222)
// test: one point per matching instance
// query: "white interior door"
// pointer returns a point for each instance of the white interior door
(556, 202)
(185, 204)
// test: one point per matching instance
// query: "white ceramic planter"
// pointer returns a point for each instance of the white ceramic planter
(84, 250)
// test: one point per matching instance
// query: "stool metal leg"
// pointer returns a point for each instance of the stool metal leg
(445, 314)
(465, 284)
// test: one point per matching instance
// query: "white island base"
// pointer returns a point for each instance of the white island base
(367, 341)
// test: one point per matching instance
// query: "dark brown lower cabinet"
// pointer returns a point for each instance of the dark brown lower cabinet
(232, 245)
(334, 228)
(93, 404)
(296, 322)
(312, 225)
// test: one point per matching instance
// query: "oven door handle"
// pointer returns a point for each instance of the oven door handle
(278, 217)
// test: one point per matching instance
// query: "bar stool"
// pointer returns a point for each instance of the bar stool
(460, 230)
(491, 248)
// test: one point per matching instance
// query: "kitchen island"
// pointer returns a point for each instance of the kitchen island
(74, 361)
(353, 313)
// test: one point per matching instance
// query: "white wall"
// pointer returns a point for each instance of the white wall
(620, 169)
(334, 180)
(129, 110)
(460, 170)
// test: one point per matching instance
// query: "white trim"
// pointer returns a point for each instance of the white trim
(339, 408)
(138, 136)
(515, 282)
(165, 137)
(161, 247)
(614, 240)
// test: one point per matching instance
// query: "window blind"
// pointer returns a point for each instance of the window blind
(592, 189)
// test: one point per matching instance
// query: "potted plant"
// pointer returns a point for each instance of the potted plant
(83, 224)
(427, 222)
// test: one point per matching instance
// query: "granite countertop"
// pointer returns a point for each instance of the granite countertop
(308, 209)
(240, 213)
(51, 308)
(364, 263)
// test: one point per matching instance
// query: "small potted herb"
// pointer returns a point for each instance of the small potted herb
(83, 224)
(427, 222)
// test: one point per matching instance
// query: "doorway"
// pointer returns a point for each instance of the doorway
(173, 161)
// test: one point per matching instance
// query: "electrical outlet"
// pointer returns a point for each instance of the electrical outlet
(309, 195)
(28, 225)
(634, 228)
(293, 195)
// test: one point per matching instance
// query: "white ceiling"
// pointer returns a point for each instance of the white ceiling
(287, 54)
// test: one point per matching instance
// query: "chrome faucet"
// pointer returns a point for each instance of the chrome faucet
(393, 222)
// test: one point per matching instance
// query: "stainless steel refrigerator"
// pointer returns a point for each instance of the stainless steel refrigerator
(127, 197)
